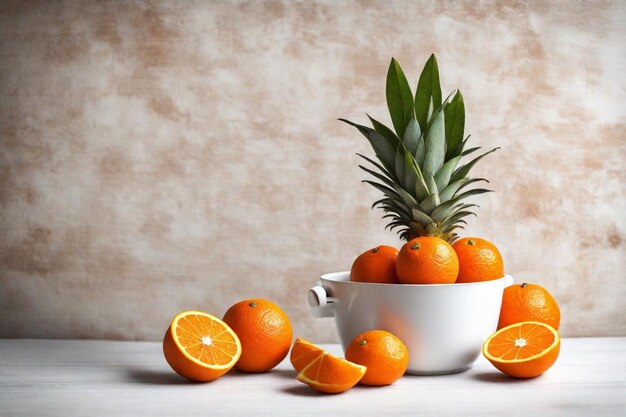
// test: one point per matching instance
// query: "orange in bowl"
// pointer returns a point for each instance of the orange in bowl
(427, 260)
(479, 260)
(376, 265)
(200, 347)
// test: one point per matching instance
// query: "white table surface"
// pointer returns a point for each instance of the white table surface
(102, 378)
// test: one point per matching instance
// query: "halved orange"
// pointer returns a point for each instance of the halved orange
(523, 350)
(303, 353)
(331, 374)
(200, 347)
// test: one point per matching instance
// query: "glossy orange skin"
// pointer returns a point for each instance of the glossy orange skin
(384, 354)
(427, 260)
(264, 331)
(525, 371)
(528, 302)
(376, 265)
(479, 260)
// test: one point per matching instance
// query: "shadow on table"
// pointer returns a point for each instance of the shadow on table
(285, 373)
(497, 378)
(280, 373)
(154, 377)
(301, 391)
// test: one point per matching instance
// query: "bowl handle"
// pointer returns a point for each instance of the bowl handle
(508, 281)
(320, 303)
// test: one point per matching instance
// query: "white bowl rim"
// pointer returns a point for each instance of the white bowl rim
(333, 276)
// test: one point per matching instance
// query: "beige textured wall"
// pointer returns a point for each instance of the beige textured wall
(172, 155)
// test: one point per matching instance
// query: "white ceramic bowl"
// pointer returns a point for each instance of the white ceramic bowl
(442, 325)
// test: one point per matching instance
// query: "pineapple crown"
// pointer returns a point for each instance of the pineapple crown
(423, 184)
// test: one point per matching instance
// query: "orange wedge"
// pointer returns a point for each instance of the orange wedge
(200, 347)
(331, 374)
(523, 350)
(303, 353)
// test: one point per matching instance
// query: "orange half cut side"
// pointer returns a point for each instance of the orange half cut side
(200, 346)
(303, 353)
(331, 374)
(523, 350)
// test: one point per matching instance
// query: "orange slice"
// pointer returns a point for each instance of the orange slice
(523, 350)
(331, 374)
(200, 347)
(303, 353)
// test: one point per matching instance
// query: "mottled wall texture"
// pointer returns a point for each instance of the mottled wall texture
(170, 155)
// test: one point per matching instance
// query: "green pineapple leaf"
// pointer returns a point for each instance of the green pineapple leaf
(459, 150)
(418, 161)
(388, 192)
(421, 189)
(390, 205)
(458, 216)
(377, 165)
(422, 218)
(465, 169)
(385, 131)
(400, 166)
(460, 207)
(394, 225)
(411, 137)
(399, 98)
(378, 176)
(455, 124)
(430, 182)
(411, 170)
(420, 152)
(446, 209)
(384, 150)
(471, 181)
(435, 144)
(431, 202)
(446, 230)
(442, 178)
(428, 93)
(469, 151)
(407, 198)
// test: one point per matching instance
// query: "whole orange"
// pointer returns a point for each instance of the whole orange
(264, 331)
(528, 302)
(427, 260)
(479, 260)
(384, 355)
(376, 265)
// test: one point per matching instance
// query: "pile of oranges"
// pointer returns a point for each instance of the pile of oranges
(527, 341)
(255, 335)
(430, 260)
